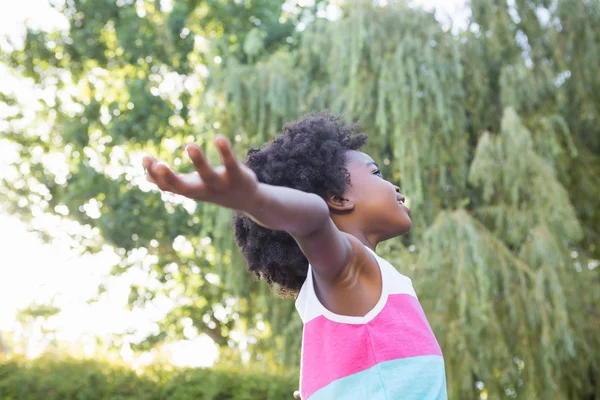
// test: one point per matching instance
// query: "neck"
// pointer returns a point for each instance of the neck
(369, 240)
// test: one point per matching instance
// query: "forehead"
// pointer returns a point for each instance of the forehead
(358, 159)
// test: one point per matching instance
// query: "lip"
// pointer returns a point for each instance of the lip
(402, 205)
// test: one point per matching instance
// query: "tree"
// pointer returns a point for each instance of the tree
(34, 323)
(492, 133)
(4, 349)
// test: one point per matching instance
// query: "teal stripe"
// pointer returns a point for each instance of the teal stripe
(412, 378)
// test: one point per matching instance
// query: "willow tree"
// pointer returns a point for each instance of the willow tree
(495, 197)
(492, 133)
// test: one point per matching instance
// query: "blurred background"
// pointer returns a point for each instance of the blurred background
(486, 112)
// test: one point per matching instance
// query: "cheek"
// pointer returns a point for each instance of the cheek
(367, 193)
(377, 193)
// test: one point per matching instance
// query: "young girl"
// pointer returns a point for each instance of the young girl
(311, 209)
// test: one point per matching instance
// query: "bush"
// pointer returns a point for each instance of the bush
(65, 379)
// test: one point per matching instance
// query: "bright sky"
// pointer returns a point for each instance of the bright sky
(31, 271)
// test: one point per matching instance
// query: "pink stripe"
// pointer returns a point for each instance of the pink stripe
(333, 350)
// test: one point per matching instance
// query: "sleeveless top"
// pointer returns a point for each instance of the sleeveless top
(390, 353)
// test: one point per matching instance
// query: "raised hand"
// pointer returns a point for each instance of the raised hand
(231, 185)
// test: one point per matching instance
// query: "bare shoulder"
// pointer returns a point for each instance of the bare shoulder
(346, 275)
(360, 267)
(328, 251)
(357, 287)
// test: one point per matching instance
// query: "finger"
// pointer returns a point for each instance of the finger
(207, 173)
(297, 395)
(150, 167)
(166, 179)
(163, 176)
(189, 185)
(227, 156)
(147, 162)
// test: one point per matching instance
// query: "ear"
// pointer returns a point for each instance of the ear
(338, 203)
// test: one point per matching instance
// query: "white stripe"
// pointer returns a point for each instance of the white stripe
(393, 282)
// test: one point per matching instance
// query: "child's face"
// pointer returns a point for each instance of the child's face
(378, 205)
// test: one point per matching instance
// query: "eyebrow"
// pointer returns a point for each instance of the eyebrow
(373, 163)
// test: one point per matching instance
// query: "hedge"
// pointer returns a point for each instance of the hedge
(67, 379)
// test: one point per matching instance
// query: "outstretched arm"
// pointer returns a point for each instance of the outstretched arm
(233, 185)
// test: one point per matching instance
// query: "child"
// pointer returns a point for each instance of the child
(311, 210)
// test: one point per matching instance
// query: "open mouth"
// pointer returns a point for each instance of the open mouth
(404, 203)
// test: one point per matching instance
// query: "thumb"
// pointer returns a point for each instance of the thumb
(297, 395)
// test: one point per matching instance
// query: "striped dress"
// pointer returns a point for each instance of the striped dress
(390, 353)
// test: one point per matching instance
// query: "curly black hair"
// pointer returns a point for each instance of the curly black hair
(310, 156)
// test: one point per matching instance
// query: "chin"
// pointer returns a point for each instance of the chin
(392, 226)
(404, 227)
(400, 229)
(404, 231)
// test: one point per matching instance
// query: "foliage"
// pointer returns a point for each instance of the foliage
(492, 132)
(48, 378)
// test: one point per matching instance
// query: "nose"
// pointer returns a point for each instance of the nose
(400, 194)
